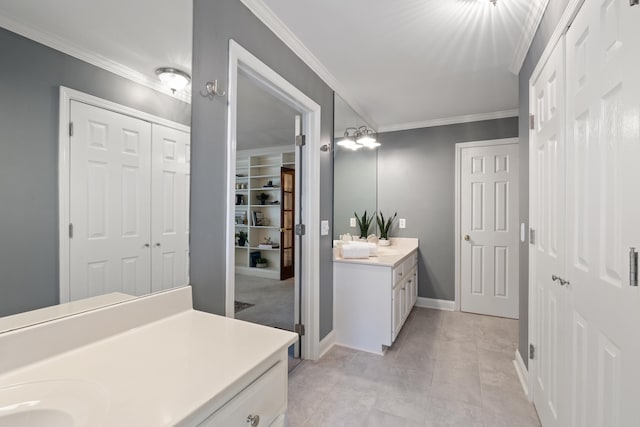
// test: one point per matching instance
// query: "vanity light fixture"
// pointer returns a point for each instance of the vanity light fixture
(356, 138)
(173, 78)
(494, 2)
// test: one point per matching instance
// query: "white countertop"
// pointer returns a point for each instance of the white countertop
(159, 373)
(387, 256)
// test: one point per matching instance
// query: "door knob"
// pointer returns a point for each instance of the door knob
(157, 245)
(146, 245)
(554, 277)
(253, 420)
(467, 237)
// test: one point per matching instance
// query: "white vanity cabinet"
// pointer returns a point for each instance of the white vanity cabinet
(373, 297)
(261, 403)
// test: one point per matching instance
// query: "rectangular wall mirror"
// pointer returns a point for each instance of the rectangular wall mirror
(94, 198)
(355, 173)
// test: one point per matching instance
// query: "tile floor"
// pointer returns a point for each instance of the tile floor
(445, 369)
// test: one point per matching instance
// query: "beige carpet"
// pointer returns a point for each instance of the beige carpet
(273, 301)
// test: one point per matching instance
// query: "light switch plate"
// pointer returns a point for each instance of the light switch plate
(402, 223)
(352, 222)
(324, 228)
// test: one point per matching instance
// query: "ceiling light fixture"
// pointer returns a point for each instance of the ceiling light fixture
(173, 78)
(494, 2)
(356, 138)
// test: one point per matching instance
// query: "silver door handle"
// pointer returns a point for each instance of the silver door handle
(560, 279)
(146, 245)
(467, 237)
(554, 277)
(157, 245)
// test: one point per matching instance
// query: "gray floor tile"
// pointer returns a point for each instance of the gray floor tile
(445, 369)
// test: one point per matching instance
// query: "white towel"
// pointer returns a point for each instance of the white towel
(373, 248)
(352, 251)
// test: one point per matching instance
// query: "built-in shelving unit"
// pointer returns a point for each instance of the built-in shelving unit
(259, 173)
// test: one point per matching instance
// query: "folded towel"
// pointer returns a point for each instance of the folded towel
(373, 248)
(352, 251)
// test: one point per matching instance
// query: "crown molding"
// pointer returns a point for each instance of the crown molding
(65, 46)
(450, 120)
(279, 28)
(532, 21)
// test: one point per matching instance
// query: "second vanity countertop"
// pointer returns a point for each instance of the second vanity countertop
(387, 256)
(161, 373)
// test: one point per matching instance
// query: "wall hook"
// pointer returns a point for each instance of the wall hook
(212, 90)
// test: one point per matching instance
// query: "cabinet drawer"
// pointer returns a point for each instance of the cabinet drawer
(398, 274)
(265, 398)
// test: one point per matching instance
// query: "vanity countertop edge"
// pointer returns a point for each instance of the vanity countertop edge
(388, 256)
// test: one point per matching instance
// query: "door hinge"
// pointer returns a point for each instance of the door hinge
(70, 128)
(532, 236)
(633, 267)
(300, 229)
(532, 121)
(301, 140)
(634, 2)
(299, 329)
(70, 230)
(532, 352)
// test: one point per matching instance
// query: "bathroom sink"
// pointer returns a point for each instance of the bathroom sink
(54, 403)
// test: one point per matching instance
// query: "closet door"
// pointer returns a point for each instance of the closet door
(171, 159)
(603, 175)
(109, 208)
(547, 218)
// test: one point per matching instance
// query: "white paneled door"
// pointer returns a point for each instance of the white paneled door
(489, 227)
(128, 204)
(171, 152)
(547, 219)
(110, 203)
(603, 174)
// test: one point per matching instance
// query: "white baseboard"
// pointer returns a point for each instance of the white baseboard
(327, 343)
(438, 304)
(523, 373)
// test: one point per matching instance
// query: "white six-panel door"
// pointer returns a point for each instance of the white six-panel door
(171, 152)
(489, 228)
(547, 255)
(129, 204)
(603, 174)
(110, 203)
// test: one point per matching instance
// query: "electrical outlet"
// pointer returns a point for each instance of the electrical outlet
(352, 222)
(402, 223)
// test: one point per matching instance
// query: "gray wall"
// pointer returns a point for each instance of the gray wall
(547, 26)
(416, 178)
(215, 22)
(29, 79)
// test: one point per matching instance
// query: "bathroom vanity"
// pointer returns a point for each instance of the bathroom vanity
(151, 361)
(372, 297)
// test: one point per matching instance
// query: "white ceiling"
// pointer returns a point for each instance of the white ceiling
(130, 37)
(399, 63)
(263, 120)
(412, 61)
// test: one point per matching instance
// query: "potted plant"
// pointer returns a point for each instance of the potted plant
(242, 238)
(262, 198)
(364, 223)
(262, 263)
(385, 226)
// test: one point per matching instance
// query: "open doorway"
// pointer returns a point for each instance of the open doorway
(266, 196)
(273, 223)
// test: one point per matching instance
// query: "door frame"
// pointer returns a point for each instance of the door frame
(241, 59)
(458, 208)
(66, 95)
